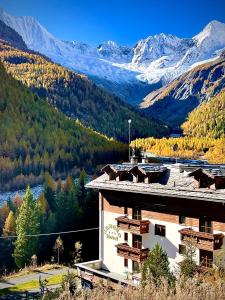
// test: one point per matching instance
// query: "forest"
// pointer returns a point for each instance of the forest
(213, 150)
(76, 96)
(37, 138)
(63, 206)
(204, 135)
(208, 119)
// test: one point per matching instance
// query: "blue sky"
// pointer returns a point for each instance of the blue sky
(124, 21)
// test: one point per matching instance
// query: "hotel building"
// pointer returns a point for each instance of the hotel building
(141, 204)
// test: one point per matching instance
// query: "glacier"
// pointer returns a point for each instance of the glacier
(129, 72)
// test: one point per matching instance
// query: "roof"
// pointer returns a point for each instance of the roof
(176, 182)
(128, 167)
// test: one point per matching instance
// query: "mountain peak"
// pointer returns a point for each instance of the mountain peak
(214, 31)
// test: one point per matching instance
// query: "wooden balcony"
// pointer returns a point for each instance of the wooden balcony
(205, 241)
(133, 226)
(132, 253)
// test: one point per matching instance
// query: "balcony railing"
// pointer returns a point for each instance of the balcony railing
(133, 226)
(132, 253)
(204, 240)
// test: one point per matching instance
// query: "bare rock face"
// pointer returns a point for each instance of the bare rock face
(11, 36)
(173, 102)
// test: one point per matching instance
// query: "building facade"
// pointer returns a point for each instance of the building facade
(144, 204)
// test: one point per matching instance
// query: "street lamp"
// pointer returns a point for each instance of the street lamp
(129, 122)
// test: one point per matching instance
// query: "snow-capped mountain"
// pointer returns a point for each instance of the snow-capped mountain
(126, 71)
(113, 52)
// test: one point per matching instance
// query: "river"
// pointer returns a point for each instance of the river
(36, 191)
(4, 196)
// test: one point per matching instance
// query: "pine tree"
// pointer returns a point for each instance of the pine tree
(156, 266)
(10, 225)
(81, 191)
(42, 204)
(67, 208)
(188, 265)
(27, 223)
(49, 191)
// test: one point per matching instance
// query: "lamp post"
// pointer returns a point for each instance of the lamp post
(129, 122)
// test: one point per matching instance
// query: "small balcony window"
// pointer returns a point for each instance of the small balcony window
(136, 214)
(206, 258)
(125, 262)
(182, 249)
(182, 219)
(137, 241)
(125, 237)
(205, 225)
(136, 267)
(160, 230)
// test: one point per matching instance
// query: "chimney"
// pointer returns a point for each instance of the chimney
(134, 160)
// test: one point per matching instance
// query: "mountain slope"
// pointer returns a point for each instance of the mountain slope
(207, 120)
(76, 96)
(122, 70)
(11, 36)
(36, 138)
(173, 102)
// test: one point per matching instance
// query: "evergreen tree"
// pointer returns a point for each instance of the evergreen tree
(43, 204)
(67, 208)
(156, 266)
(10, 225)
(49, 191)
(188, 265)
(27, 223)
(81, 191)
(4, 212)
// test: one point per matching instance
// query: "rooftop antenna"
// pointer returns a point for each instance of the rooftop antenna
(129, 122)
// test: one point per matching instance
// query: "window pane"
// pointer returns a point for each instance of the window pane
(206, 258)
(136, 268)
(160, 230)
(205, 225)
(182, 249)
(125, 262)
(182, 219)
(137, 241)
(136, 214)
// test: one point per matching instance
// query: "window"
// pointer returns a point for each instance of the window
(182, 219)
(125, 262)
(160, 230)
(136, 267)
(125, 237)
(125, 210)
(182, 249)
(137, 241)
(205, 225)
(206, 258)
(136, 214)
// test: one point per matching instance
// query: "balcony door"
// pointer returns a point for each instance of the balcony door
(137, 241)
(205, 225)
